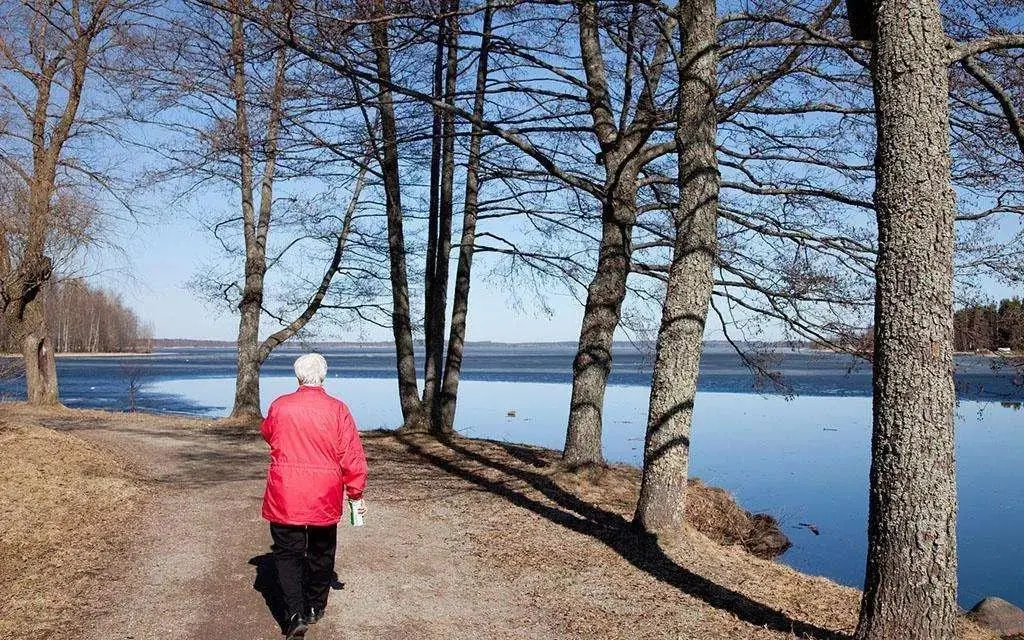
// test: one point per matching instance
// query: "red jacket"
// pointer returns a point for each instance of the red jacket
(315, 458)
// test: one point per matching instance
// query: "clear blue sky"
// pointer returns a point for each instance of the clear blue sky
(160, 257)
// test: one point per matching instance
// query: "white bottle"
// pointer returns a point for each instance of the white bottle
(355, 515)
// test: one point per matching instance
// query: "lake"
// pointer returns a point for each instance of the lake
(801, 454)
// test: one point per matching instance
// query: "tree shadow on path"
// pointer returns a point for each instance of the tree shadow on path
(638, 548)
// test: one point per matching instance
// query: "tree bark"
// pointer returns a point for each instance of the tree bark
(431, 368)
(439, 287)
(460, 297)
(621, 154)
(38, 353)
(601, 315)
(662, 503)
(412, 408)
(255, 229)
(22, 285)
(910, 583)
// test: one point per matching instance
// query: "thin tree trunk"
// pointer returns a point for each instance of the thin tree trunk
(910, 583)
(247, 382)
(460, 297)
(408, 394)
(662, 502)
(430, 369)
(439, 288)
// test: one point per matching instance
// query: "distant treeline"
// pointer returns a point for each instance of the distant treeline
(84, 319)
(990, 327)
(979, 327)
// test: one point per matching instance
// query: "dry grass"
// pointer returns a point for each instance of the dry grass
(67, 511)
(710, 510)
(593, 570)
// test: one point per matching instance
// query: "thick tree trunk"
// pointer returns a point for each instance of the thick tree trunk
(910, 584)
(622, 151)
(662, 503)
(25, 324)
(601, 314)
(460, 297)
(37, 350)
(412, 408)
(247, 380)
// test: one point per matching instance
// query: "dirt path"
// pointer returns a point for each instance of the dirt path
(465, 540)
(200, 561)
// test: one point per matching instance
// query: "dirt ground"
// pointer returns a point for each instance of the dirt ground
(120, 527)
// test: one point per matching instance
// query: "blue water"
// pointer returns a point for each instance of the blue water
(800, 453)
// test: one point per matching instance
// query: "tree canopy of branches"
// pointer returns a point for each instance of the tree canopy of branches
(244, 115)
(49, 53)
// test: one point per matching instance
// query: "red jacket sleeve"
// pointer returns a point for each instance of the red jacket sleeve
(353, 460)
(267, 426)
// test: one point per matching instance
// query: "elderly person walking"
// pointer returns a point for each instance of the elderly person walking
(316, 458)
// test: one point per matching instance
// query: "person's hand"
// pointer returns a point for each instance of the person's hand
(357, 504)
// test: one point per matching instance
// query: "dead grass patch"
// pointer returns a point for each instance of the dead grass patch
(68, 507)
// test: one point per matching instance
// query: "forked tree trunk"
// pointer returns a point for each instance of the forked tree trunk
(910, 583)
(662, 503)
(431, 353)
(413, 413)
(460, 298)
(256, 225)
(622, 152)
(438, 291)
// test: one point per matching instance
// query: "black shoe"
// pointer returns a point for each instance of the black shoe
(313, 614)
(296, 627)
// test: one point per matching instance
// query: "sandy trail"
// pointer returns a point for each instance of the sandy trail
(199, 556)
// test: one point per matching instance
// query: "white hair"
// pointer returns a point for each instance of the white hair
(311, 369)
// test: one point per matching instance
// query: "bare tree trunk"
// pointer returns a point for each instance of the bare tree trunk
(621, 153)
(593, 362)
(431, 369)
(250, 307)
(25, 321)
(439, 288)
(38, 353)
(460, 297)
(412, 408)
(255, 229)
(910, 583)
(662, 503)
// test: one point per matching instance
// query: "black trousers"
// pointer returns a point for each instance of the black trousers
(304, 558)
